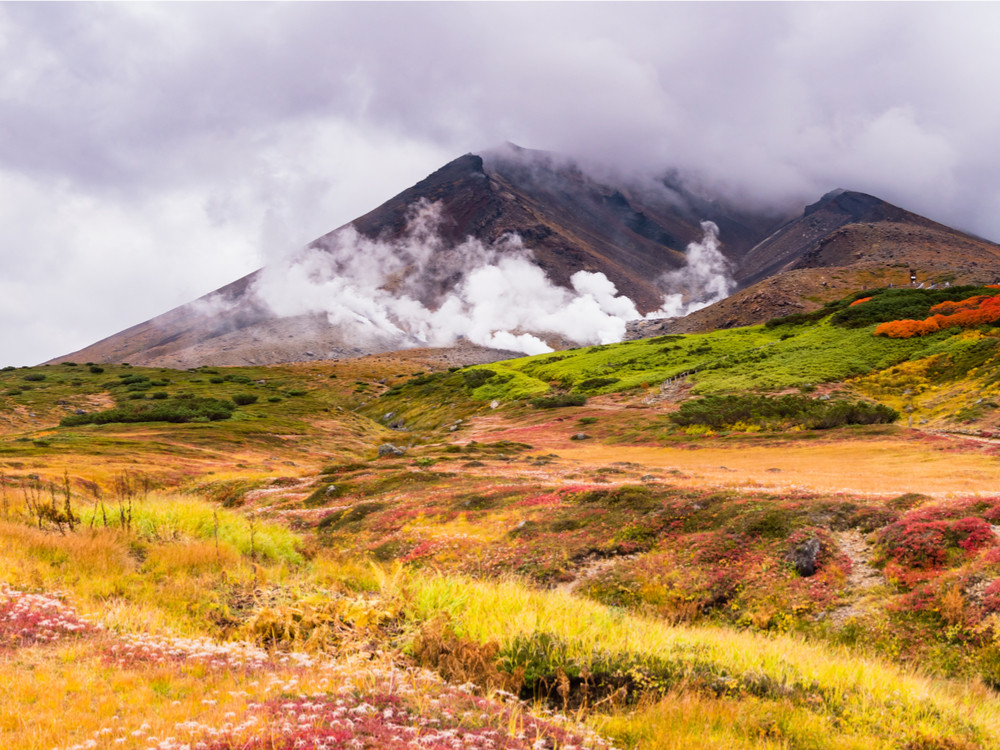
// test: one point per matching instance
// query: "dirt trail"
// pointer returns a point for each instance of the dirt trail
(589, 570)
(862, 578)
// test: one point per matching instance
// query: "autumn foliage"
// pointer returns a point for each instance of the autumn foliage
(859, 301)
(968, 313)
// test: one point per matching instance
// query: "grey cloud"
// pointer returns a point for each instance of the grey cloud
(207, 138)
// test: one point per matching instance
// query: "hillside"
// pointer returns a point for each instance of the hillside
(732, 539)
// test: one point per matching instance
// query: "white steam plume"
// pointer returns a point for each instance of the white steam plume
(703, 280)
(492, 295)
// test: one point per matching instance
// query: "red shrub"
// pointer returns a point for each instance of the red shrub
(859, 301)
(972, 534)
(991, 597)
(917, 541)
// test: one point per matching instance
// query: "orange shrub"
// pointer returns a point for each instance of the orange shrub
(905, 329)
(859, 301)
(949, 308)
(969, 313)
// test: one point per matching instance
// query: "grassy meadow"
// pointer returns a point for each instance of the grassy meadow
(783, 536)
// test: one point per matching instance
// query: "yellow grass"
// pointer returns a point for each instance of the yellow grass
(878, 703)
(884, 467)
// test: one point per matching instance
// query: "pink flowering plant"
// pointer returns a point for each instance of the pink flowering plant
(27, 619)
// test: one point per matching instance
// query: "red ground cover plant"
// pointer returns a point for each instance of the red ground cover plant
(859, 301)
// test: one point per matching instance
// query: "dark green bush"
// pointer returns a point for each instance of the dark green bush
(216, 380)
(169, 410)
(96, 369)
(780, 411)
(559, 400)
(475, 378)
(244, 399)
(592, 384)
(159, 395)
(34, 377)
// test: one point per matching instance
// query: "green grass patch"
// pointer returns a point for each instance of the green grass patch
(174, 518)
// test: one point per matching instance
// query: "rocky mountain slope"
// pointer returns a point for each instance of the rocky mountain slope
(843, 242)
(566, 221)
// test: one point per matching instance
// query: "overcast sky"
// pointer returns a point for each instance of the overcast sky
(152, 153)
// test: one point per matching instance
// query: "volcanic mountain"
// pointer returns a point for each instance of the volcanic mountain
(523, 250)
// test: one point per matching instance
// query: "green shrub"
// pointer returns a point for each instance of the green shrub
(187, 409)
(216, 380)
(559, 400)
(592, 384)
(96, 369)
(475, 378)
(244, 399)
(159, 395)
(34, 377)
(295, 392)
(780, 411)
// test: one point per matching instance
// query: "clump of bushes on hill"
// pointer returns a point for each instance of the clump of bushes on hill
(475, 378)
(772, 412)
(870, 308)
(972, 312)
(592, 384)
(168, 410)
(559, 400)
(900, 304)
